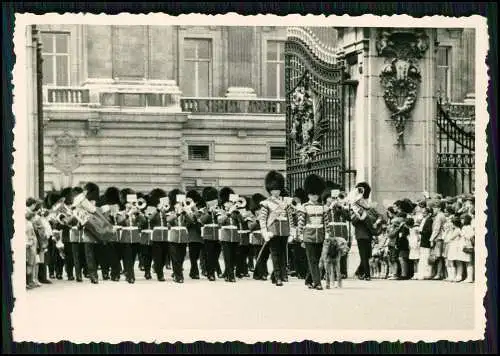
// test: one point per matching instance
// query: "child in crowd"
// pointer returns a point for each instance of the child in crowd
(455, 267)
(466, 253)
(414, 242)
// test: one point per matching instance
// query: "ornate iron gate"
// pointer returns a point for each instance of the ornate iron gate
(455, 153)
(315, 136)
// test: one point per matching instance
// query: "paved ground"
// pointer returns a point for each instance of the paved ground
(250, 304)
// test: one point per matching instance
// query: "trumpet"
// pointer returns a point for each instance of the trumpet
(241, 203)
(188, 205)
(61, 213)
(141, 204)
(163, 207)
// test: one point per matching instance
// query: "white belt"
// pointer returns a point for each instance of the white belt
(314, 226)
(160, 228)
(229, 227)
(338, 223)
(178, 228)
(243, 231)
(211, 225)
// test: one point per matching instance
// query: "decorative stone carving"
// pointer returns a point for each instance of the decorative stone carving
(400, 77)
(308, 125)
(93, 126)
(66, 155)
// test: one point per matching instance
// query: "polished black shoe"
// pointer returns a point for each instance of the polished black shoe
(232, 280)
(246, 275)
(285, 279)
(344, 276)
(195, 277)
(318, 287)
(211, 278)
(94, 281)
(161, 278)
(59, 277)
(147, 275)
(204, 273)
(131, 280)
(178, 280)
(71, 278)
(240, 276)
(368, 279)
(309, 285)
(226, 279)
(79, 279)
(45, 281)
(105, 277)
(115, 279)
(86, 275)
(279, 283)
(52, 276)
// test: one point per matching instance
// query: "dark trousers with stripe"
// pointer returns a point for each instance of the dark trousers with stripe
(242, 260)
(211, 248)
(277, 246)
(313, 253)
(261, 263)
(147, 257)
(229, 251)
(130, 252)
(195, 249)
(178, 255)
(160, 254)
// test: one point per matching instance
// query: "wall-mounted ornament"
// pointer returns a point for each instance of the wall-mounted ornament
(93, 127)
(308, 124)
(66, 155)
(400, 76)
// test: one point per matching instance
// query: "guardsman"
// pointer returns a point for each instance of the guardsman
(276, 223)
(311, 227)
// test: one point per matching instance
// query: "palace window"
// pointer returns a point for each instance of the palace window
(197, 68)
(199, 153)
(55, 55)
(275, 69)
(444, 71)
(278, 153)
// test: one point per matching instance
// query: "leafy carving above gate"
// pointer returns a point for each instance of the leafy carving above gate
(401, 77)
(314, 113)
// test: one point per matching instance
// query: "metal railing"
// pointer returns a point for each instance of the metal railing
(233, 106)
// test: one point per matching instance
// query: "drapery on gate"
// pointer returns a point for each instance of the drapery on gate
(315, 132)
(455, 154)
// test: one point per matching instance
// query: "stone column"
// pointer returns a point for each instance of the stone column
(400, 168)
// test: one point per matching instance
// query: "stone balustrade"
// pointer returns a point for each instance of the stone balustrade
(66, 95)
(156, 98)
(233, 106)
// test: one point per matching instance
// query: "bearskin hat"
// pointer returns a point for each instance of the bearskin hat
(33, 202)
(66, 194)
(193, 194)
(172, 196)
(284, 193)
(366, 189)
(325, 195)
(101, 201)
(51, 199)
(209, 194)
(92, 190)
(155, 195)
(405, 205)
(224, 194)
(301, 194)
(314, 185)
(255, 201)
(274, 181)
(112, 196)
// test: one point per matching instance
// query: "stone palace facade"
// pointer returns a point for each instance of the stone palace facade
(192, 106)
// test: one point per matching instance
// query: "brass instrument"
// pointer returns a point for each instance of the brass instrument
(60, 213)
(241, 203)
(141, 204)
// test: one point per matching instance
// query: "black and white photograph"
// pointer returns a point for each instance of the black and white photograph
(226, 178)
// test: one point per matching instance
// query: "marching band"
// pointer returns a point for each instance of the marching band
(85, 231)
